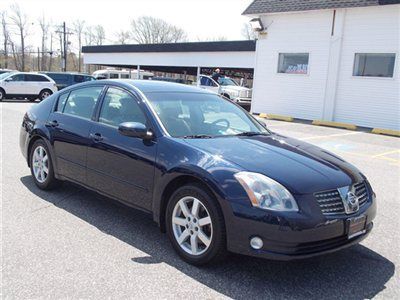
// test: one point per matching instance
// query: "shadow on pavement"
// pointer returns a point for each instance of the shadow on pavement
(355, 273)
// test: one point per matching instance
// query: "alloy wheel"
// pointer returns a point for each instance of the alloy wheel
(192, 225)
(40, 164)
(45, 94)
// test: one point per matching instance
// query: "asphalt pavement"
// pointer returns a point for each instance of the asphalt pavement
(72, 243)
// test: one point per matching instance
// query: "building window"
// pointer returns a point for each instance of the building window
(374, 64)
(293, 63)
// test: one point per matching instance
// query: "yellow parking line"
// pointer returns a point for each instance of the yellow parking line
(393, 160)
(330, 135)
(387, 153)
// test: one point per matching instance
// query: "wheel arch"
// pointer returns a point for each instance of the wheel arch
(171, 187)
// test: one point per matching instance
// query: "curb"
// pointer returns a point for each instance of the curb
(386, 131)
(334, 124)
(276, 117)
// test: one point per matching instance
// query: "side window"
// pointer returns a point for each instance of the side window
(118, 107)
(18, 77)
(79, 78)
(293, 63)
(203, 80)
(113, 75)
(81, 102)
(374, 64)
(124, 76)
(61, 102)
(35, 78)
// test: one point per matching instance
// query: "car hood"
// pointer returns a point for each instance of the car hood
(301, 167)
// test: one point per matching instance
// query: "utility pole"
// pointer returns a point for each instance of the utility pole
(65, 48)
(38, 58)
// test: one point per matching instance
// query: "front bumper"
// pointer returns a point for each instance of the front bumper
(293, 236)
(241, 100)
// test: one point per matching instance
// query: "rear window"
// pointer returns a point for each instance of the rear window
(35, 77)
(81, 102)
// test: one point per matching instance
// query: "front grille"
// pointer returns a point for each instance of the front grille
(246, 94)
(330, 202)
(360, 190)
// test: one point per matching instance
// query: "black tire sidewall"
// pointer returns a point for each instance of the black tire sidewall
(50, 181)
(2, 95)
(218, 243)
(43, 91)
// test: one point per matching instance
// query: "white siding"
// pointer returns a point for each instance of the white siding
(370, 102)
(300, 96)
(330, 91)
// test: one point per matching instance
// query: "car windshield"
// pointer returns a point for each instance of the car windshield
(226, 81)
(199, 115)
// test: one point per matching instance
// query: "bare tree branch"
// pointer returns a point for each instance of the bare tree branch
(79, 26)
(247, 32)
(150, 30)
(6, 37)
(21, 21)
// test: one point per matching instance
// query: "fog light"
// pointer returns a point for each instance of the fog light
(256, 243)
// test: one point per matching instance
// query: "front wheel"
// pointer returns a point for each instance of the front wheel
(42, 167)
(2, 94)
(195, 225)
(44, 94)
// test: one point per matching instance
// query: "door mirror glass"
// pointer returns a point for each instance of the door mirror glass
(9, 79)
(135, 129)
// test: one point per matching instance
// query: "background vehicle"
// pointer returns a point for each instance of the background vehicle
(2, 71)
(210, 174)
(228, 88)
(26, 85)
(121, 74)
(63, 79)
(170, 79)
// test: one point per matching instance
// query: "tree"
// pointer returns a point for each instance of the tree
(99, 35)
(248, 32)
(123, 37)
(79, 26)
(20, 20)
(44, 28)
(6, 37)
(150, 30)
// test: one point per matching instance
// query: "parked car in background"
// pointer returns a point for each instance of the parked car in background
(2, 71)
(210, 174)
(228, 88)
(121, 74)
(27, 85)
(64, 79)
(170, 79)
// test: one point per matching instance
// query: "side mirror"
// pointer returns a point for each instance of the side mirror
(135, 129)
(8, 79)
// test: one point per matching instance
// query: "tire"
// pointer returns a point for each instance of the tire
(38, 164)
(44, 94)
(2, 94)
(190, 230)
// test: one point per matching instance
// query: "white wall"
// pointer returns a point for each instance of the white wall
(366, 101)
(296, 95)
(330, 91)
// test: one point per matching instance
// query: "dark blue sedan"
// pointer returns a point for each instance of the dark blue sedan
(212, 176)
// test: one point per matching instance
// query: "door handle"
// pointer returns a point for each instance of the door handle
(96, 137)
(53, 123)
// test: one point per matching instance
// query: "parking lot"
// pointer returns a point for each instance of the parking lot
(76, 244)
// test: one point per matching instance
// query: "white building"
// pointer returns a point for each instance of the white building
(334, 60)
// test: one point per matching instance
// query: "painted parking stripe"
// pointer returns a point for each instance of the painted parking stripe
(387, 153)
(330, 135)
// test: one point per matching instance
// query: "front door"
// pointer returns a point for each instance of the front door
(15, 85)
(117, 165)
(69, 126)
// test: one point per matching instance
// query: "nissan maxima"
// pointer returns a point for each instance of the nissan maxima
(213, 177)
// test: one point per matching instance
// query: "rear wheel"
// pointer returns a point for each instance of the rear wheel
(42, 167)
(195, 225)
(44, 94)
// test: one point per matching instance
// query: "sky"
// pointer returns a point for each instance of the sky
(201, 19)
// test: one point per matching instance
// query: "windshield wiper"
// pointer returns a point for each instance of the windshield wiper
(250, 133)
(198, 136)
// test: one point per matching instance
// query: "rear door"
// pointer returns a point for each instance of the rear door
(70, 124)
(35, 83)
(118, 165)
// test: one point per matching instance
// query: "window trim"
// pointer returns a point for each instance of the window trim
(99, 98)
(296, 52)
(135, 98)
(393, 77)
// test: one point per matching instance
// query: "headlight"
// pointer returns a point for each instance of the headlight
(266, 193)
